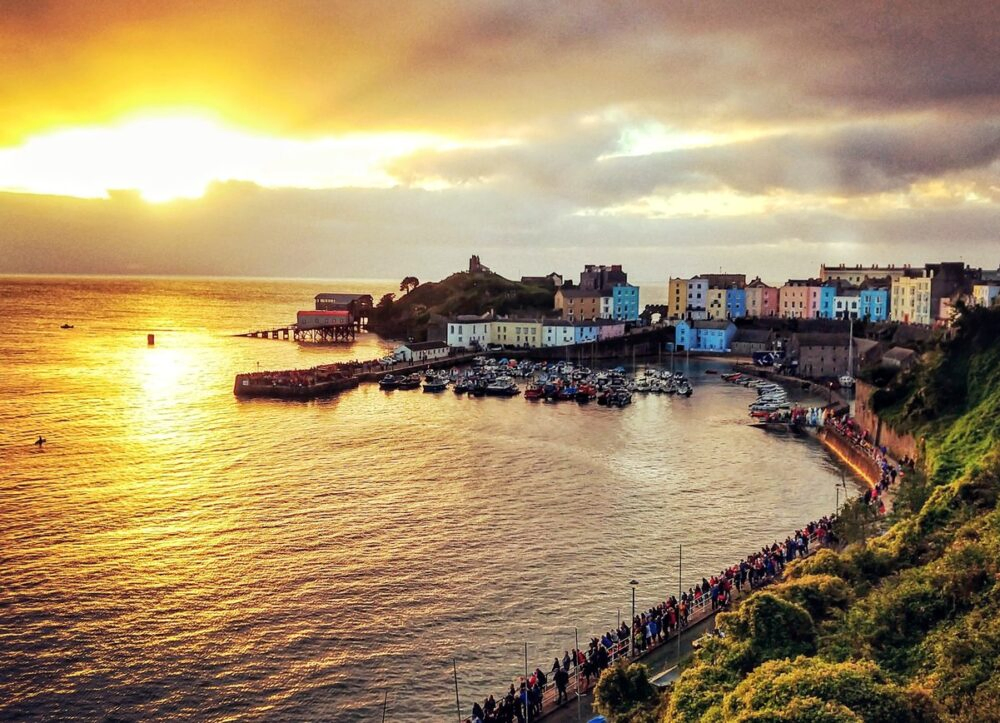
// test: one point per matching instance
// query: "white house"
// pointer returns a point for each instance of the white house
(558, 332)
(607, 307)
(697, 298)
(421, 351)
(847, 304)
(470, 332)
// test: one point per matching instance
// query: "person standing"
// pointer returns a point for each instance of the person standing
(561, 679)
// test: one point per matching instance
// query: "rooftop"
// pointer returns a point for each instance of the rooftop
(899, 354)
(753, 336)
(426, 345)
(712, 324)
(577, 293)
(821, 339)
(339, 298)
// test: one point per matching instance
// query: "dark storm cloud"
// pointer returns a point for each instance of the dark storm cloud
(853, 160)
(840, 102)
(245, 230)
(304, 67)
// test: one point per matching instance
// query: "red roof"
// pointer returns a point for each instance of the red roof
(310, 312)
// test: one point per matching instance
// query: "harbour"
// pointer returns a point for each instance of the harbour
(187, 533)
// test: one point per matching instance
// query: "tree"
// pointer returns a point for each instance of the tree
(776, 689)
(386, 301)
(624, 694)
(408, 284)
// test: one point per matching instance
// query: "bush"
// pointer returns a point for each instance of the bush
(824, 562)
(699, 693)
(860, 688)
(819, 595)
(804, 710)
(770, 627)
(624, 694)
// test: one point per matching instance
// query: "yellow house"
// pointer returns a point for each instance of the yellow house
(525, 333)
(911, 300)
(715, 303)
(677, 298)
(985, 294)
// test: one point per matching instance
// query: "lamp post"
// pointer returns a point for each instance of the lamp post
(631, 627)
(839, 485)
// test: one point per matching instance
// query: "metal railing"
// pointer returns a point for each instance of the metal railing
(698, 611)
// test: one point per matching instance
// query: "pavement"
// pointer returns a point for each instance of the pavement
(657, 660)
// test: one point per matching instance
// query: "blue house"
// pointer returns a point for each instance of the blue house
(585, 332)
(736, 303)
(715, 335)
(827, 302)
(874, 304)
(625, 302)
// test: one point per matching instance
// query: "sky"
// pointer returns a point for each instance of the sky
(329, 138)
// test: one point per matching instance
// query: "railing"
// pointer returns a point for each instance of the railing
(698, 611)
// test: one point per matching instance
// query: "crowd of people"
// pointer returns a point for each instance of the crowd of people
(651, 627)
(524, 703)
(889, 471)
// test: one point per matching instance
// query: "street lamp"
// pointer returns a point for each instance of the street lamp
(631, 627)
(839, 485)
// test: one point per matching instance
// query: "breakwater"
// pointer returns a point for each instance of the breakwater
(327, 379)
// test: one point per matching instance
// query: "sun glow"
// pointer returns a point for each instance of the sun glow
(165, 157)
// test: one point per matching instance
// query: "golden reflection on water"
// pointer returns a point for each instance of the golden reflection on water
(175, 553)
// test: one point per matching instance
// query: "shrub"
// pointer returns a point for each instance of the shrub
(624, 694)
(771, 627)
(860, 688)
(698, 695)
(819, 595)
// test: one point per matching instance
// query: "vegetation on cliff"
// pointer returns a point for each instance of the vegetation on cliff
(904, 627)
(409, 315)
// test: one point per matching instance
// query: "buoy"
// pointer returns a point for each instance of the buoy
(150, 339)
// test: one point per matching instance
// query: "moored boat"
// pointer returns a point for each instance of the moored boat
(411, 381)
(436, 385)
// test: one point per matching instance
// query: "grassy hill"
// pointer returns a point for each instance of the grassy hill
(904, 627)
(461, 293)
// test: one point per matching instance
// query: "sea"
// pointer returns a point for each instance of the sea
(175, 553)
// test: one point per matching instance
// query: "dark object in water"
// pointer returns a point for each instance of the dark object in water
(66, 326)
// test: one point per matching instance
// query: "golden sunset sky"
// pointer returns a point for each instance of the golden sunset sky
(377, 139)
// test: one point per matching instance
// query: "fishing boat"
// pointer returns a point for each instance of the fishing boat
(621, 398)
(534, 393)
(438, 384)
(388, 382)
(411, 381)
(502, 387)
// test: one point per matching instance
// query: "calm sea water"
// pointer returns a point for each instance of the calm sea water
(175, 553)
